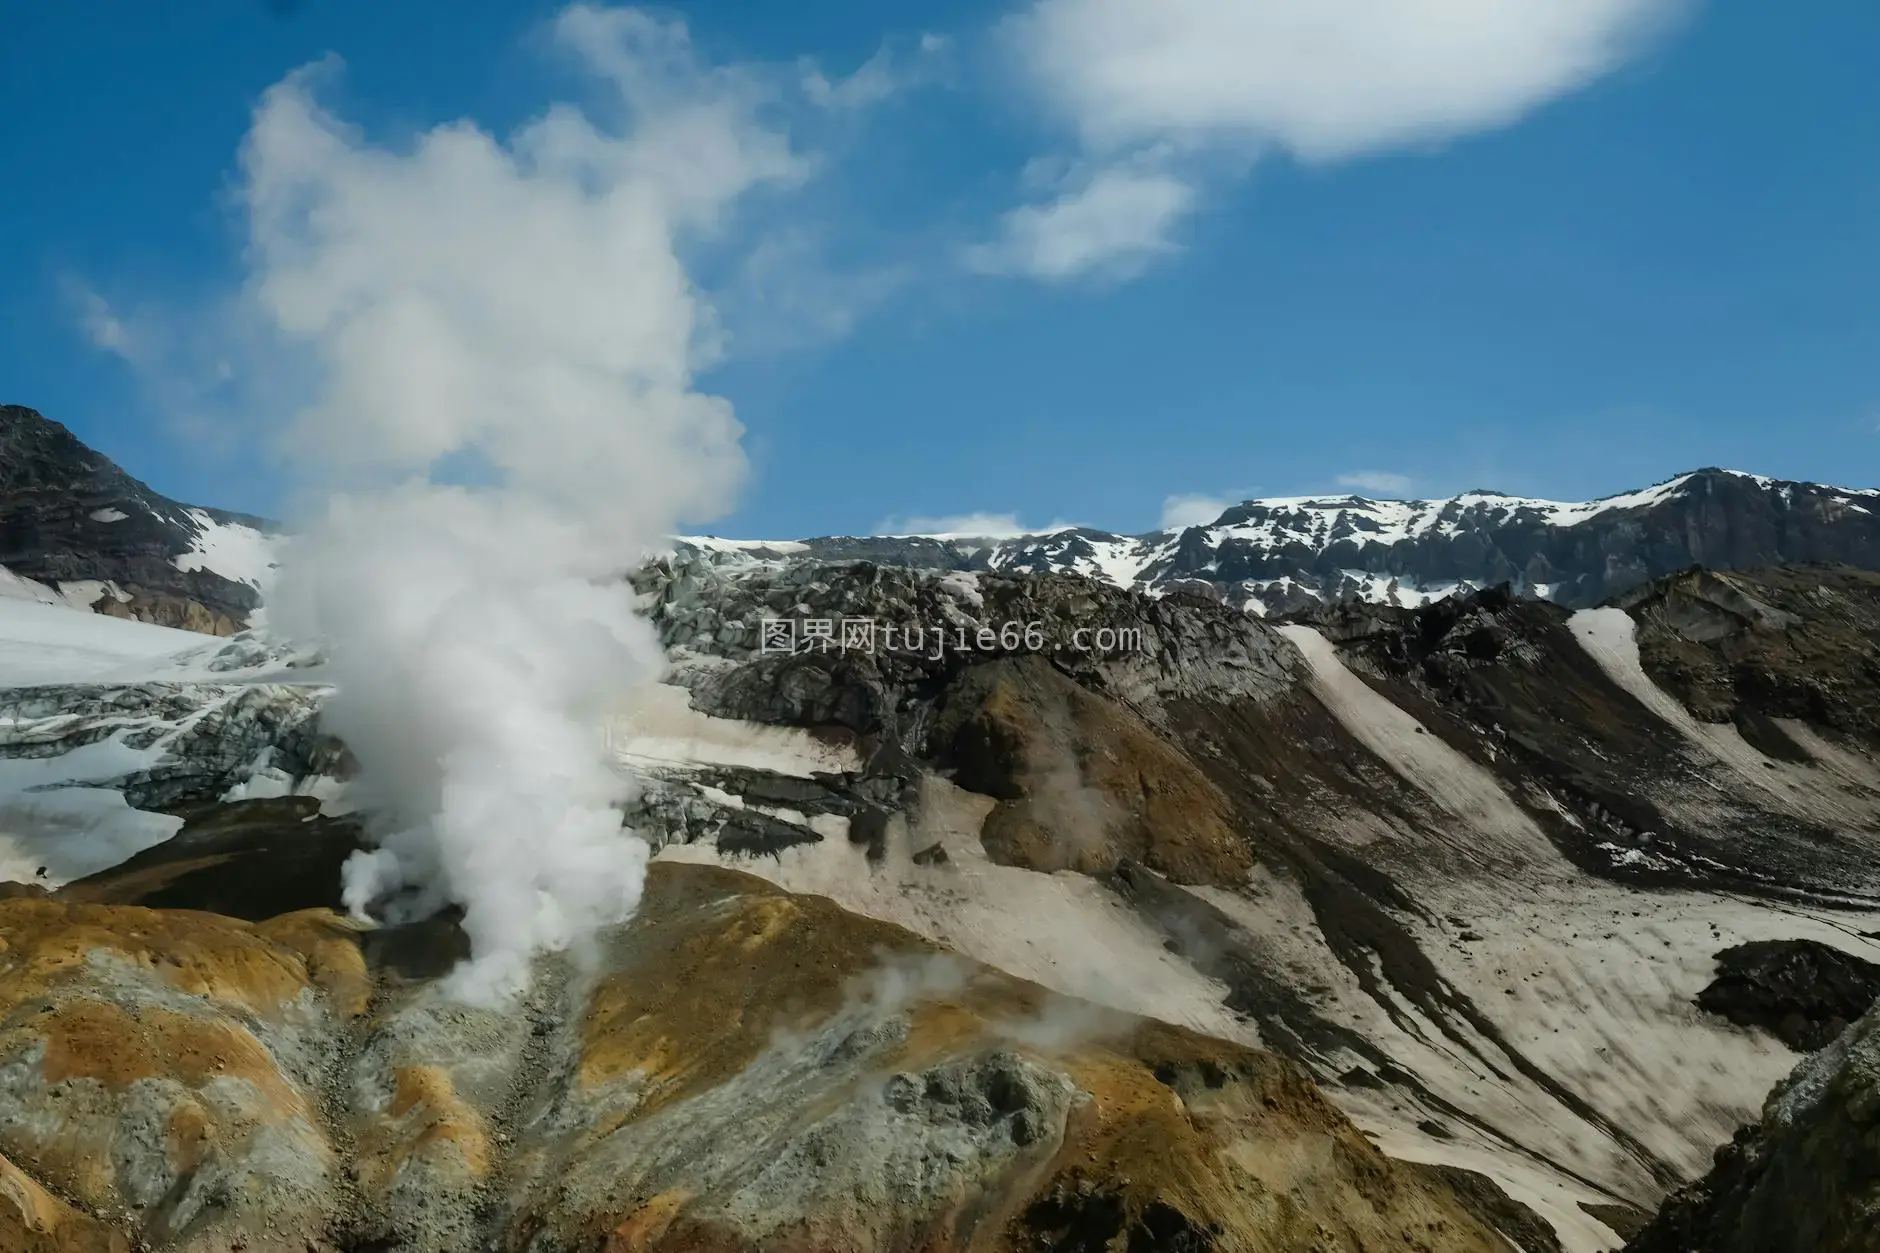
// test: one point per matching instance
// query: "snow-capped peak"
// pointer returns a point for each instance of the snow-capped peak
(1286, 552)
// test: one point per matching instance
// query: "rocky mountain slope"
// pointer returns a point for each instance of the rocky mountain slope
(1281, 556)
(990, 911)
(1472, 864)
(75, 528)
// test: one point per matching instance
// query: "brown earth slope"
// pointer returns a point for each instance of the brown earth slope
(738, 1069)
(1082, 782)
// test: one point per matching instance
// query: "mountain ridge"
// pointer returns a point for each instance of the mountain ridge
(1280, 555)
(77, 529)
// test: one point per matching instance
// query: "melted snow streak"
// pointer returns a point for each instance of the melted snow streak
(1832, 788)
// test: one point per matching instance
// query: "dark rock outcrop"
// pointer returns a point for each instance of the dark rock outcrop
(1803, 992)
(924, 627)
(1760, 645)
(1503, 678)
(1487, 1200)
(251, 860)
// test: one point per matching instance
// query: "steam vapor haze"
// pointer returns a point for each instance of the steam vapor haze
(514, 313)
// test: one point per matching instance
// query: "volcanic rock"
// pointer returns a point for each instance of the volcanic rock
(1802, 991)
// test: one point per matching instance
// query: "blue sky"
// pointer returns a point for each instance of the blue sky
(1554, 258)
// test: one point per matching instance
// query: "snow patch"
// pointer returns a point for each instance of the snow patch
(52, 817)
(1497, 830)
(50, 643)
(712, 543)
(17, 587)
(59, 809)
(1120, 561)
(238, 553)
(964, 587)
(55, 836)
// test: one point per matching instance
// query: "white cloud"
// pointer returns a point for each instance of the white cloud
(1379, 481)
(1114, 223)
(872, 82)
(786, 293)
(1179, 512)
(1324, 80)
(708, 141)
(101, 324)
(879, 78)
(967, 526)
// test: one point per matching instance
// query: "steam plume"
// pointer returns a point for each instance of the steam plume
(503, 342)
